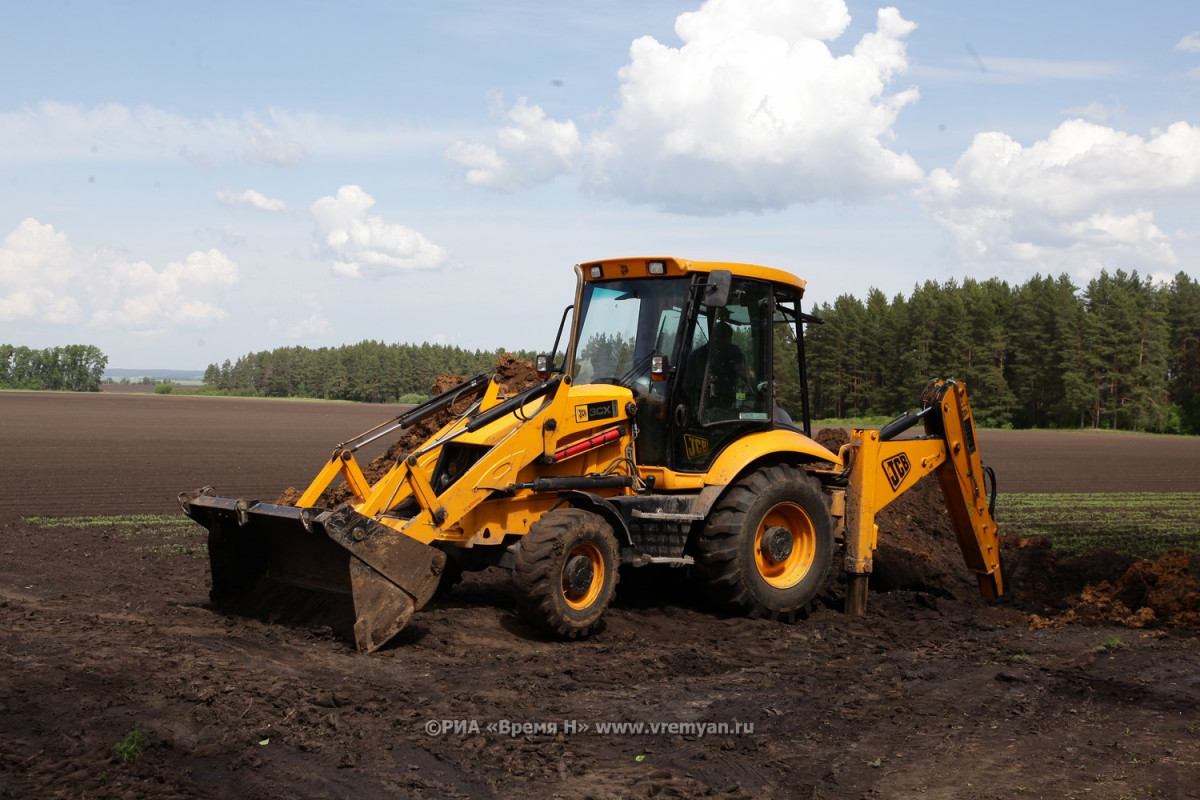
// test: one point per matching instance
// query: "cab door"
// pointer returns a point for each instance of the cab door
(721, 388)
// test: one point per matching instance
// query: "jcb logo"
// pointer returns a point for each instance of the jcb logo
(695, 446)
(896, 468)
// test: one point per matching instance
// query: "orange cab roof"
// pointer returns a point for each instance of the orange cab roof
(637, 267)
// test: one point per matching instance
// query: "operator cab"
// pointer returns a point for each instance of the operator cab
(704, 347)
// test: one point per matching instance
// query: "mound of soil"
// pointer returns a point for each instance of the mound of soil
(918, 552)
(832, 438)
(513, 375)
(917, 548)
(1148, 593)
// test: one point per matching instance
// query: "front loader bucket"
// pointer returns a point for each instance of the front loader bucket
(283, 563)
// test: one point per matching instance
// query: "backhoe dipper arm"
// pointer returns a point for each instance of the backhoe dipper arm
(961, 479)
(882, 469)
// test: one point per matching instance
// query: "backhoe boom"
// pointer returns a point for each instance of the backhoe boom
(883, 468)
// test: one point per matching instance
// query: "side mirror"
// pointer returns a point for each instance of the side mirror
(716, 291)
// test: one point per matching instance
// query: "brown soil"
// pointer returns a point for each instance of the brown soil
(1085, 684)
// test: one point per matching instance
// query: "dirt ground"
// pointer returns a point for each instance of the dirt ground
(1085, 684)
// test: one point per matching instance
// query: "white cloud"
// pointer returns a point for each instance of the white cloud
(44, 278)
(362, 245)
(1190, 43)
(315, 324)
(37, 270)
(533, 150)
(136, 295)
(266, 147)
(752, 112)
(1079, 200)
(250, 198)
(32, 248)
(38, 303)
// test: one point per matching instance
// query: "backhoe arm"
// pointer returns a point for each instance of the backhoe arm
(882, 469)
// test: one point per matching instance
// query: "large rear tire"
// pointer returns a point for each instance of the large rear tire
(768, 544)
(565, 572)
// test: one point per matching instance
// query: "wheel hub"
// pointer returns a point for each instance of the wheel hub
(777, 544)
(579, 574)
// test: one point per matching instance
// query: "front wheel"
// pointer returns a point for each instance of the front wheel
(565, 572)
(767, 546)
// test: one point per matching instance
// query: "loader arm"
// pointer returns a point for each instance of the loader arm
(379, 563)
(882, 468)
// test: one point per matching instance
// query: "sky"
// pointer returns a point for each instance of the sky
(183, 183)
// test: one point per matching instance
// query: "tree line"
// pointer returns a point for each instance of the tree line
(370, 371)
(74, 368)
(1123, 353)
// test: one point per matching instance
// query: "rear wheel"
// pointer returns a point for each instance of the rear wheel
(565, 572)
(767, 546)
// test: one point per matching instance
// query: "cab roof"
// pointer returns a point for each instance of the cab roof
(639, 267)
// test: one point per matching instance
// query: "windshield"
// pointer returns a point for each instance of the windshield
(623, 323)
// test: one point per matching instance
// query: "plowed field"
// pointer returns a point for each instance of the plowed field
(116, 680)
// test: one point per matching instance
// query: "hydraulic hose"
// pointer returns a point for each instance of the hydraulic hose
(513, 403)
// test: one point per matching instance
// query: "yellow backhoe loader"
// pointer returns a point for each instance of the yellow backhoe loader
(653, 440)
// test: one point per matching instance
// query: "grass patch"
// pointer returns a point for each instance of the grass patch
(851, 422)
(161, 534)
(129, 749)
(119, 521)
(1144, 524)
(251, 394)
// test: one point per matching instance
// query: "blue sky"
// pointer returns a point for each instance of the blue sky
(182, 183)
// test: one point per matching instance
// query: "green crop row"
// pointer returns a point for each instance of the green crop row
(161, 534)
(1145, 525)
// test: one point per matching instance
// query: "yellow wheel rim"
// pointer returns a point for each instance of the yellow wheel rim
(785, 572)
(575, 598)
